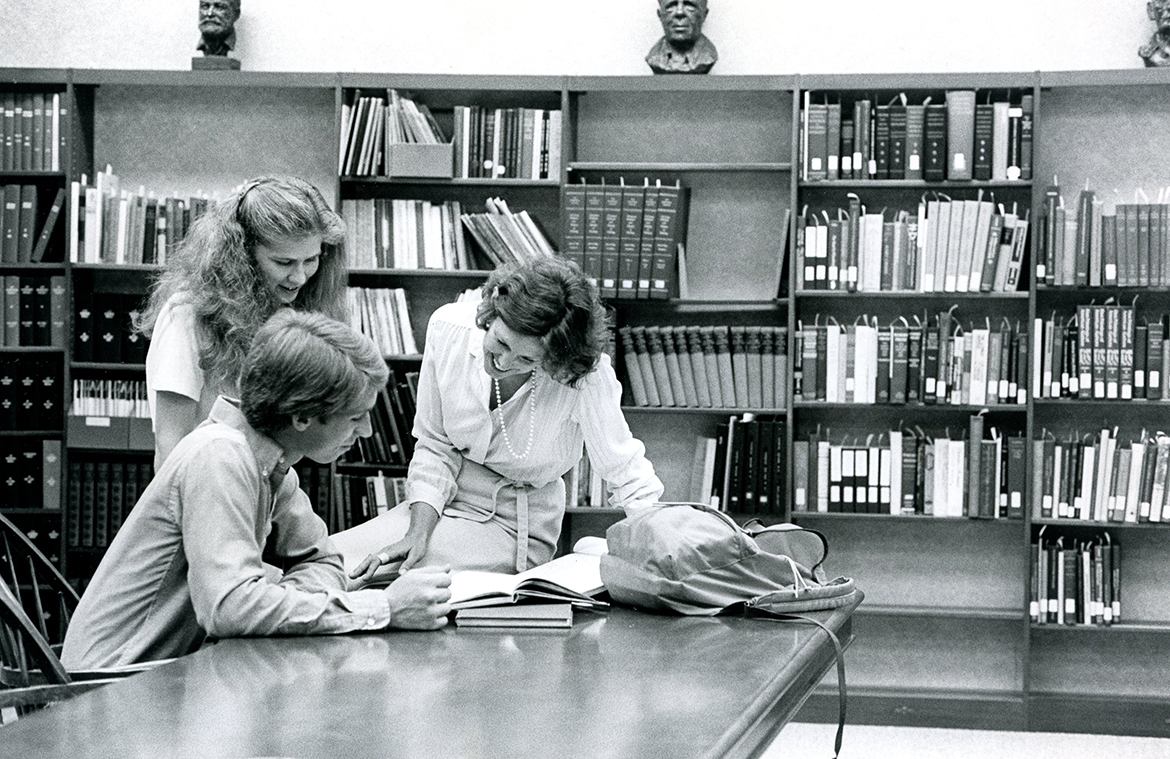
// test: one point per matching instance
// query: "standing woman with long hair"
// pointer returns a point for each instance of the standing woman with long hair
(273, 243)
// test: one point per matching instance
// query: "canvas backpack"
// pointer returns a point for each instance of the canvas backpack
(691, 559)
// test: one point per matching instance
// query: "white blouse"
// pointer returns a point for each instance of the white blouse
(452, 422)
(172, 361)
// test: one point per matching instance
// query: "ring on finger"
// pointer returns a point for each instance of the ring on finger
(383, 558)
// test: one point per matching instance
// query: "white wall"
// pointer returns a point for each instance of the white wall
(584, 37)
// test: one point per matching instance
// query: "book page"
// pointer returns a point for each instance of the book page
(578, 572)
(472, 584)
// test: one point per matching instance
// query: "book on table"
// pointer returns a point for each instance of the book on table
(542, 615)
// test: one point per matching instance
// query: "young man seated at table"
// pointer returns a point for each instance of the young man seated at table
(189, 563)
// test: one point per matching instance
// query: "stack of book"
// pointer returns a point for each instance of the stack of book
(626, 238)
(706, 367)
(382, 315)
(908, 472)
(742, 469)
(110, 225)
(34, 309)
(1101, 352)
(506, 237)
(1124, 246)
(372, 123)
(1101, 478)
(937, 362)
(99, 498)
(26, 235)
(406, 234)
(507, 143)
(110, 397)
(31, 135)
(943, 246)
(1075, 582)
(956, 139)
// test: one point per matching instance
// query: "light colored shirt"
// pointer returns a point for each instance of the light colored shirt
(453, 421)
(187, 562)
(172, 361)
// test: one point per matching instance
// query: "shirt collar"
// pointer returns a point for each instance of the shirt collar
(269, 454)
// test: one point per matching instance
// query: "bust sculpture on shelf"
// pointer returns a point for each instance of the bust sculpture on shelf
(683, 48)
(217, 19)
(1156, 52)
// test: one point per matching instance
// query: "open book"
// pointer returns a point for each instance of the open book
(574, 577)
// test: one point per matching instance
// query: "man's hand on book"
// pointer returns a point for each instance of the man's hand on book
(419, 599)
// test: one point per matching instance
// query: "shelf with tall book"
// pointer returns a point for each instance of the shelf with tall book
(714, 308)
(1099, 315)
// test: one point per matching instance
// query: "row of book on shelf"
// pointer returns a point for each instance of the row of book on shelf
(932, 362)
(99, 497)
(392, 420)
(1101, 477)
(25, 232)
(30, 392)
(944, 246)
(30, 473)
(344, 500)
(110, 224)
(1101, 352)
(706, 367)
(418, 234)
(626, 237)
(1075, 581)
(33, 308)
(742, 469)
(1125, 246)
(485, 143)
(956, 139)
(103, 328)
(908, 472)
(31, 134)
(106, 397)
(382, 315)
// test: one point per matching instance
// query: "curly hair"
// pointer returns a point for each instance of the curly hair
(549, 298)
(215, 269)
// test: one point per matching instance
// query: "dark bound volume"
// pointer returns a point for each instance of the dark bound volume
(107, 328)
(881, 141)
(101, 505)
(898, 136)
(984, 126)
(573, 223)
(934, 168)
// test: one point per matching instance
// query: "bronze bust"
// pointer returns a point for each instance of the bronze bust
(1156, 52)
(683, 48)
(217, 19)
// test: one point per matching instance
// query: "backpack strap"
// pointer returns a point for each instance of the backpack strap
(840, 652)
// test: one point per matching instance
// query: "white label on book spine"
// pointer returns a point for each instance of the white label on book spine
(814, 164)
(832, 161)
(872, 167)
(960, 162)
(1040, 271)
(914, 162)
(1110, 271)
(847, 164)
(97, 421)
(1154, 380)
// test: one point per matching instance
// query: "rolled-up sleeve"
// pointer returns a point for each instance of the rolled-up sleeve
(223, 513)
(619, 457)
(436, 462)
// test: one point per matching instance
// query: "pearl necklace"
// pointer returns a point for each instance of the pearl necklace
(531, 418)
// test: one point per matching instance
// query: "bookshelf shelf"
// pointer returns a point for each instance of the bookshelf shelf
(597, 510)
(106, 366)
(107, 268)
(52, 434)
(915, 408)
(48, 268)
(34, 175)
(723, 411)
(31, 349)
(1159, 628)
(365, 467)
(941, 612)
(811, 295)
(913, 184)
(679, 167)
(1092, 524)
(905, 518)
(475, 274)
(502, 182)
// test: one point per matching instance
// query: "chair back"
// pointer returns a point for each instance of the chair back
(46, 596)
(25, 653)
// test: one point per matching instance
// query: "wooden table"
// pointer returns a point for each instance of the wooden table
(618, 684)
